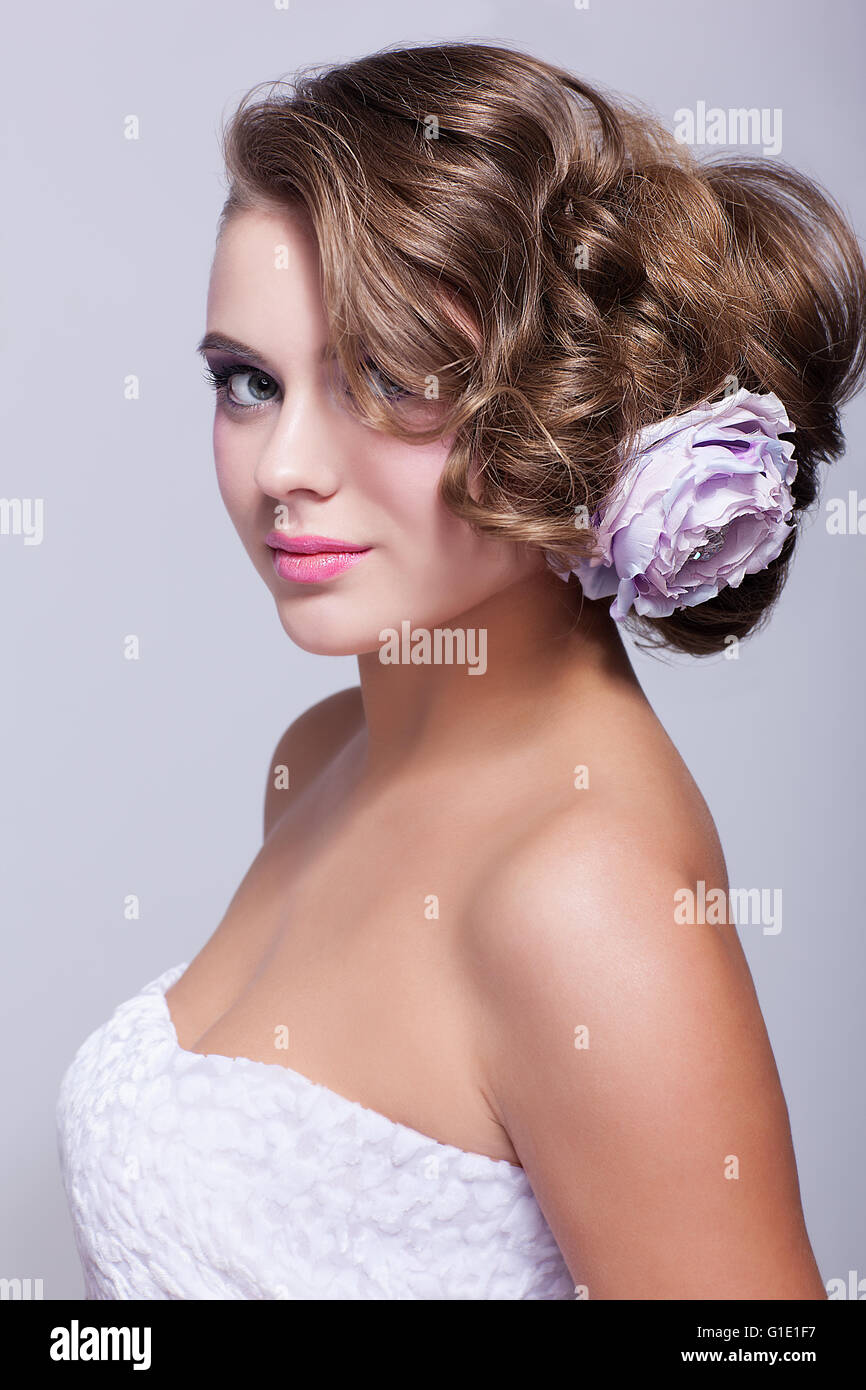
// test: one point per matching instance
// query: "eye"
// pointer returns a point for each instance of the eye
(242, 388)
(381, 383)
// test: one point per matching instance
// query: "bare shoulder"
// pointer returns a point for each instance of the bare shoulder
(306, 746)
(626, 1056)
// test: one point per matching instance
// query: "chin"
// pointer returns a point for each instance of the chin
(323, 638)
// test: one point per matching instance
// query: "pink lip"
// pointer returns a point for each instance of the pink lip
(309, 559)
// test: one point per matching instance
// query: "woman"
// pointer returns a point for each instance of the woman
(489, 350)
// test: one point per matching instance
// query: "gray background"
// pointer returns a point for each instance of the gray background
(147, 777)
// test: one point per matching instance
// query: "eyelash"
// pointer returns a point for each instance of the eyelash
(219, 378)
(220, 375)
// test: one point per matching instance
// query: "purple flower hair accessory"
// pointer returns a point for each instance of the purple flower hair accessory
(706, 500)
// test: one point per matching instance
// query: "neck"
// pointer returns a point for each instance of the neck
(537, 645)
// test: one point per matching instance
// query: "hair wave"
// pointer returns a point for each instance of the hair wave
(562, 272)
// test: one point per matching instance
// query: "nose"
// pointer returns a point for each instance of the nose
(303, 450)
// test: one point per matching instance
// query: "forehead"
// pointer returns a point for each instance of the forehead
(266, 221)
(266, 278)
(267, 268)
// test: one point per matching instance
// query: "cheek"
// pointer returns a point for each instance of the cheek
(404, 481)
(435, 551)
(234, 476)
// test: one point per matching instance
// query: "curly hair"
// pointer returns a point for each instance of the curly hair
(559, 272)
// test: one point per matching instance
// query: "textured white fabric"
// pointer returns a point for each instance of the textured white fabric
(203, 1176)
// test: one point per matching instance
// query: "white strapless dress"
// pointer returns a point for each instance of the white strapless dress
(199, 1176)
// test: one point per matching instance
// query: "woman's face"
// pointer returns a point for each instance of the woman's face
(292, 459)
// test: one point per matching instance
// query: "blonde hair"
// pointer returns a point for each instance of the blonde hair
(564, 272)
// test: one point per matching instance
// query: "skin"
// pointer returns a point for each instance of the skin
(555, 904)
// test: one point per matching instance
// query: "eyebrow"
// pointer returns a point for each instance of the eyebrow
(221, 342)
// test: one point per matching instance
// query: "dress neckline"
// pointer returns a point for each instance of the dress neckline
(157, 989)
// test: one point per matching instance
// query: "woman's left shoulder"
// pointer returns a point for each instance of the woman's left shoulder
(610, 868)
(618, 837)
(624, 1052)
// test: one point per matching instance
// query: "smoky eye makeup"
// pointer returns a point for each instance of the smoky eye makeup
(240, 387)
(383, 384)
